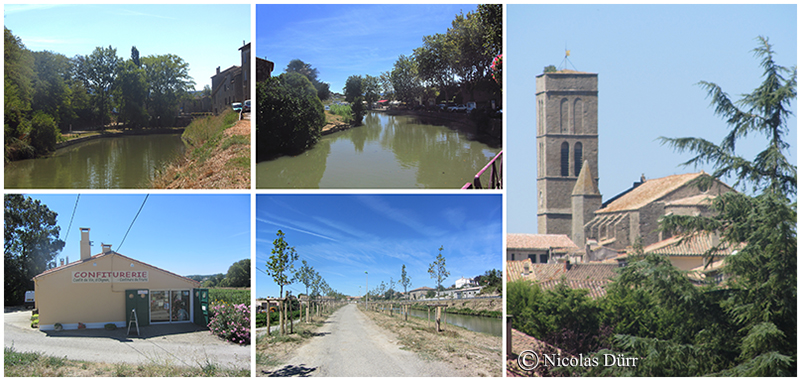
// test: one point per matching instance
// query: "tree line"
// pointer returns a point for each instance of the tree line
(47, 93)
(744, 326)
(447, 67)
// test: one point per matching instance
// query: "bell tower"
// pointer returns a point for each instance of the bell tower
(566, 137)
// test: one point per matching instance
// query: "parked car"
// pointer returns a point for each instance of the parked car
(457, 108)
(246, 106)
(237, 107)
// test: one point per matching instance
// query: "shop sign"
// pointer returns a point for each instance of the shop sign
(84, 276)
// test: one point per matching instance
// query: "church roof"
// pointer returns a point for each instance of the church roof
(539, 241)
(648, 192)
(585, 185)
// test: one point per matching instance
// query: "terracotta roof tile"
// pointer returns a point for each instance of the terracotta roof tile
(521, 241)
(648, 192)
(692, 245)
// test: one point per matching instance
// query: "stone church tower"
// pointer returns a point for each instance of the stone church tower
(566, 138)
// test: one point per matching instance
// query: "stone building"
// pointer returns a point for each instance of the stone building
(226, 88)
(566, 138)
(263, 69)
(245, 50)
(538, 248)
(635, 213)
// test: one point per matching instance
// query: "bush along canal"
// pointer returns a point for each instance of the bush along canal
(385, 152)
(125, 161)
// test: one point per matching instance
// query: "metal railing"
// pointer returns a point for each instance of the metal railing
(495, 175)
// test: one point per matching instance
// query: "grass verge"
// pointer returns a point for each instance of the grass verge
(217, 156)
(472, 353)
(35, 364)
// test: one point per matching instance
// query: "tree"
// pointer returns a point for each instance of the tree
(281, 262)
(18, 64)
(438, 270)
(386, 85)
(51, 90)
(99, 72)
(289, 115)
(353, 88)
(305, 275)
(238, 275)
(300, 67)
(434, 60)
(405, 280)
(761, 300)
(550, 69)
(490, 17)
(132, 92)
(405, 79)
(30, 242)
(168, 84)
(372, 89)
(281, 267)
(492, 281)
(44, 133)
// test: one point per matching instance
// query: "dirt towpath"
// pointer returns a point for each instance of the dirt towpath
(351, 345)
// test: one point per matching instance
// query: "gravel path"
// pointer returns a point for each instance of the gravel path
(350, 345)
(180, 344)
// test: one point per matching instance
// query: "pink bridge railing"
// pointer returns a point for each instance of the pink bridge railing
(495, 175)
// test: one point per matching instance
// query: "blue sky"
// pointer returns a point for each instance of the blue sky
(205, 36)
(345, 40)
(184, 234)
(648, 59)
(342, 236)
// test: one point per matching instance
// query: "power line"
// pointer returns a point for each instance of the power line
(72, 217)
(134, 220)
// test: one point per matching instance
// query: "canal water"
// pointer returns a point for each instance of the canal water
(386, 152)
(486, 325)
(107, 163)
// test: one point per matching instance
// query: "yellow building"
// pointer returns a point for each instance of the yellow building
(104, 288)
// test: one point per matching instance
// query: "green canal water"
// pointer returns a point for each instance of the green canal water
(108, 163)
(386, 152)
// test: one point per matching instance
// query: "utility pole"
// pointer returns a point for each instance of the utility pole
(366, 304)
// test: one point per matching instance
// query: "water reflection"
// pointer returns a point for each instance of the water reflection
(107, 163)
(486, 325)
(386, 152)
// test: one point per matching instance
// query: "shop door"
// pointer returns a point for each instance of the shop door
(137, 299)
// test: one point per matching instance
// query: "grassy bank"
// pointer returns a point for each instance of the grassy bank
(34, 364)
(475, 354)
(217, 156)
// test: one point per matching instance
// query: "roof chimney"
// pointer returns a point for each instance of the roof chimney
(106, 248)
(62, 263)
(86, 245)
(217, 69)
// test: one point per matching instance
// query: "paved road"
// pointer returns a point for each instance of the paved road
(180, 344)
(351, 345)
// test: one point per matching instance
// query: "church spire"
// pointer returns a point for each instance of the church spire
(585, 185)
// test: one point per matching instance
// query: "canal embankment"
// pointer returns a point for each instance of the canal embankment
(217, 156)
(475, 354)
(80, 137)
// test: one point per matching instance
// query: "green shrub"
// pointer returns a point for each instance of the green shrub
(342, 110)
(289, 115)
(44, 133)
(231, 322)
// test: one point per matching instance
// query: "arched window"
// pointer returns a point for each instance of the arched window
(564, 122)
(564, 159)
(578, 158)
(577, 116)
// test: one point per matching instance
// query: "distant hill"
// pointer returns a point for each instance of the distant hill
(202, 277)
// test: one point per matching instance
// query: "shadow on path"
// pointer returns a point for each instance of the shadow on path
(290, 370)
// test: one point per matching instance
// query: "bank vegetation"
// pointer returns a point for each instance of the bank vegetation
(217, 156)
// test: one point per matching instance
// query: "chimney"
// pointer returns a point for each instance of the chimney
(86, 245)
(67, 259)
(567, 265)
(217, 69)
(62, 263)
(106, 248)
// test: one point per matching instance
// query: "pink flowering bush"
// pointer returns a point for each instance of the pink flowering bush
(231, 322)
(497, 69)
